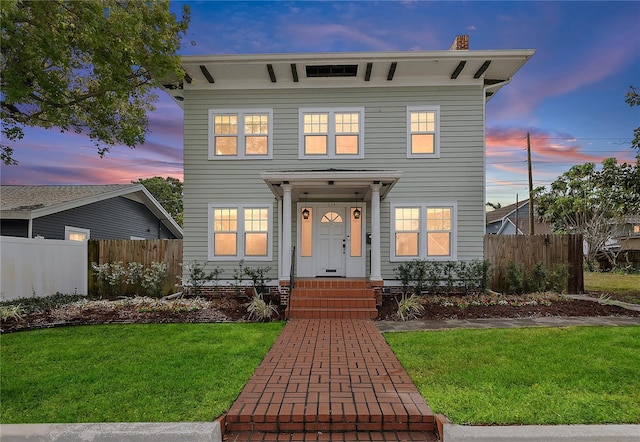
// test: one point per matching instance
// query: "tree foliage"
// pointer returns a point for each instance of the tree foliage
(590, 201)
(168, 192)
(633, 98)
(87, 66)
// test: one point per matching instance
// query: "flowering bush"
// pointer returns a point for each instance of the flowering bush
(113, 279)
(154, 278)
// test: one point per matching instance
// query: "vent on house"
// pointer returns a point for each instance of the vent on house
(333, 70)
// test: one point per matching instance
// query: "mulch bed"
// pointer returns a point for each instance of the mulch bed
(234, 310)
(568, 307)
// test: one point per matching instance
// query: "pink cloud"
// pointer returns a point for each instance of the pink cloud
(510, 143)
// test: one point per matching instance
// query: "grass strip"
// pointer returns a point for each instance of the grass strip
(129, 373)
(573, 375)
(619, 286)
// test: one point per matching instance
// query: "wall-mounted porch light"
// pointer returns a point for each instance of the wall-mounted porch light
(357, 212)
(305, 211)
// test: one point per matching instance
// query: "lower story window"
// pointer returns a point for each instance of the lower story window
(423, 231)
(239, 232)
(76, 233)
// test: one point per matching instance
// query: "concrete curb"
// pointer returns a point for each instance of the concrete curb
(540, 433)
(113, 432)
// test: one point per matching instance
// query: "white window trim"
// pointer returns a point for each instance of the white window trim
(240, 113)
(436, 141)
(240, 232)
(68, 230)
(331, 132)
(422, 232)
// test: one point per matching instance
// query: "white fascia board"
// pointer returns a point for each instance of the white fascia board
(357, 56)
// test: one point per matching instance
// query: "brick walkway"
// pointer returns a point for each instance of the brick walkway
(330, 379)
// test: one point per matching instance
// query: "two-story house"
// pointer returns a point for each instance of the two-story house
(337, 165)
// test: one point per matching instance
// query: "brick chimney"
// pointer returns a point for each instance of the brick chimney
(461, 43)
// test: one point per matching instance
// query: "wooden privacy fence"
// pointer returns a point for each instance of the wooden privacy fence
(145, 252)
(552, 250)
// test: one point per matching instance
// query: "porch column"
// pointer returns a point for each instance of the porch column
(285, 253)
(376, 274)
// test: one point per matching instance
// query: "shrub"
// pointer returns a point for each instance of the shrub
(515, 278)
(154, 278)
(258, 278)
(39, 304)
(435, 276)
(259, 309)
(409, 307)
(11, 312)
(197, 278)
(113, 279)
(539, 279)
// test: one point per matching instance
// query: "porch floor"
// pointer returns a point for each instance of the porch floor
(330, 379)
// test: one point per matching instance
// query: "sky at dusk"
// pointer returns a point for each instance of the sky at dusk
(569, 95)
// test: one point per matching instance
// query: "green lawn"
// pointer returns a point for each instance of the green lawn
(616, 285)
(128, 373)
(575, 375)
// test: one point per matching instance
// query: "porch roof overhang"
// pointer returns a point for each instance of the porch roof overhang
(332, 184)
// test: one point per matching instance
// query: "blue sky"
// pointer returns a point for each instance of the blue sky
(569, 96)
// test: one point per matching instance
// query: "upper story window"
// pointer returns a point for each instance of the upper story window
(331, 133)
(423, 132)
(240, 134)
(423, 231)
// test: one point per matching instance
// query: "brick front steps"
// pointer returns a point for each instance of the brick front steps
(329, 377)
(332, 299)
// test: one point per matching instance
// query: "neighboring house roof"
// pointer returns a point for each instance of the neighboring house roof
(494, 68)
(30, 202)
(515, 216)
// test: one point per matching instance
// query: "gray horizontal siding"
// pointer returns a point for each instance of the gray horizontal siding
(457, 176)
(115, 218)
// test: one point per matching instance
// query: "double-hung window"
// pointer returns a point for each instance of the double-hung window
(240, 232)
(423, 132)
(240, 134)
(423, 231)
(331, 133)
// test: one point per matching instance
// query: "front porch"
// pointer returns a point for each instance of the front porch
(334, 298)
(332, 217)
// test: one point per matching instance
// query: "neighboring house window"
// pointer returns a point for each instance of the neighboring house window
(636, 228)
(423, 132)
(239, 232)
(331, 133)
(76, 233)
(423, 231)
(244, 134)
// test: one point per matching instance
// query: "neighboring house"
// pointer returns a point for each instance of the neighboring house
(82, 212)
(627, 236)
(514, 220)
(361, 161)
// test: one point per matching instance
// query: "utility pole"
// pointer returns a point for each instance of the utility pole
(531, 232)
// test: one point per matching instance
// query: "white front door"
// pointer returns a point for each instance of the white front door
(331, 228)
